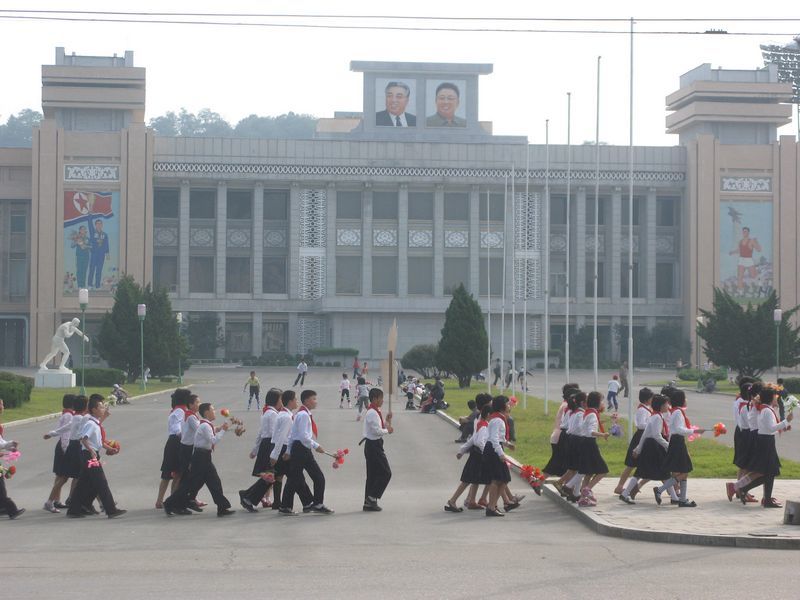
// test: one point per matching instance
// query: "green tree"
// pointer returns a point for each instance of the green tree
(166, 124)
(18, 130)
(163, 342)
(743, 337)
(421, 358)
(204, 335)
(462, 349)
(290, 125)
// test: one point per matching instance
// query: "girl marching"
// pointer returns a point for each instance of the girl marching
(494, 459)
(643, 413)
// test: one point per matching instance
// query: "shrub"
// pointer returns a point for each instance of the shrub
(326, 351)
(691, 374)
(792, 385)
(15, 389)
(100, 377)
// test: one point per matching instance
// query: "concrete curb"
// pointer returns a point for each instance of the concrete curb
(58, 414)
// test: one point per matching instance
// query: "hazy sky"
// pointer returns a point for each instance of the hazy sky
(238, 71)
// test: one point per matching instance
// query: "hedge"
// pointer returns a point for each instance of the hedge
(15, 389)
(325, 351)
(100, 377)
(690, 374)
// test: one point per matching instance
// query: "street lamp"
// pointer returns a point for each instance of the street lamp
(179, 318)
(83, 300)
(777, 316)
(701, 320)
(141, 310)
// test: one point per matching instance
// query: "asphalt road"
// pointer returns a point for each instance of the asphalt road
(413, 549)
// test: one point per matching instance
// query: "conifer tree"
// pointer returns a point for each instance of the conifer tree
(462, 349)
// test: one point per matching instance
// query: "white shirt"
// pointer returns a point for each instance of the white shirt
(280, 434)
(267, 426)
(302, 431)
(642, 415)
(344, 385)
(557, 424)
(653, 430)
(174, 421)
(496, 436)
(205, 437)
(189, 429)
(768, 422)
(302, 367)
(63, 430)
(4, 445)
(477, 439)
(373, 430)
(91, 430)
(752, 417)
(677, 424)
(589, 425)
(613, 386)
(76, 425)
(740, 414)
(565, 417)
(575, 422)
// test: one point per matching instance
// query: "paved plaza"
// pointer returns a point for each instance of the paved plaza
(413, 549)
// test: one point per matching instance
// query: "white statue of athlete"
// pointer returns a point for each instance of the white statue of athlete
(59, 344)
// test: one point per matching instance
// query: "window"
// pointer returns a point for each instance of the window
(240, 204)
(420, 206)
(384, 205)
(348, 274)
(201, 274)
(665, 280)
(202, 204)
(625, 216)
(558, 278)
(666, 209)
(275, 336)
(384, 275)
(456, 271)
(237, 275)
(496, 207)
(456, 207)
(273, 275)
(602, 203)
(238, 339)
(166, 203)
(558, 210)
(165, 272)
(624, 279)
(276, 205)
(348, 205)
(17, 278)
(495, 266)
(590, 279)
(420, 275)
(19, 222)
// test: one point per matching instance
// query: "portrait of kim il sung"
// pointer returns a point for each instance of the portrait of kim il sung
(395, 96)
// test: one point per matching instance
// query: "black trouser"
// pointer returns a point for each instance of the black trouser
(496, 379)
(302, 459)
(301, 377)
(281, 470)
(378, 471)
(91, 483)
(254, 391)
(203, 472)
(6, 503)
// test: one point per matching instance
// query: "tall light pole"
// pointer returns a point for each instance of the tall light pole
(701, 320)
(83, 300)
(777, 316)
(141, 310)
(179, 317)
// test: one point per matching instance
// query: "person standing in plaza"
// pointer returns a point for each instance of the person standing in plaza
(302, 369)
(356, 368)
(53, 503)
(6, 503)
(344, 391)
(255, 388)
(170, 464)
(613, 389)
(623, 378)
(250, 497)
(378, 471)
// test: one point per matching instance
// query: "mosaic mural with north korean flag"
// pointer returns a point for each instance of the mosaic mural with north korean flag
(91, 241)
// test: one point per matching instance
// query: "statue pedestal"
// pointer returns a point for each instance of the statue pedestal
(53, 378)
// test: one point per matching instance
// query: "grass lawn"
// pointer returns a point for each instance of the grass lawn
(724, 387)
(533, 428)
(47, 400)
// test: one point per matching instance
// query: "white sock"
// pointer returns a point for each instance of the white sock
(632, 483)
(575, 482)
(672, 494)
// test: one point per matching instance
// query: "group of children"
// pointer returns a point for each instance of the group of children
(362, 393)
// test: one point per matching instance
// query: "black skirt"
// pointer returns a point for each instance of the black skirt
(650, 464)
(591, 461)
(558, 456)
(72, 459)
(60, 467)
(765, 458)
(630, 459)
(473, 471)
(678, 459)
(749, 450)
(170, 464)
(741, 442)
(494, 467)
(573, 452)
(262, 458)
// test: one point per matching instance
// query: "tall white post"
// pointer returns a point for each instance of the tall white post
(546, 265)
(503, 297)
(596, 223)
(569, 210)
(630, 250)
(488, 296)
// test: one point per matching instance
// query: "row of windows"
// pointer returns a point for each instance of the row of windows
(238, 275)
(203, 204)
(667, 210)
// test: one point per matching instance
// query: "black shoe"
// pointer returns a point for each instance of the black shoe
(58, 504)
(626, 499)
(14, 515)
(493, 512)
(117, 513)
(371, 507)
(183, 512)
(193, 506)
(687, 503)
(276, 506)
(225, 512)
(320, 509)
(245, 502)
(511, 506)
(75, 515)
(674, 502)
(657, 495)
(287, 512)
(307, 509)
(448, 508)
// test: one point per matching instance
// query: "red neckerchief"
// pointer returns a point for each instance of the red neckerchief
(210, 424)
(176, 407)
(593, 411)
(186, 412)
(647, 408)
(102, 429)
(67, 410)
(685, 418)
(664, 427)
(377, 410)
(313, 424)
(481, 424)
(497, 415)
(742, 403)
(761, 407)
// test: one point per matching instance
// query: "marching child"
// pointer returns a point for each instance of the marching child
(643, 413)
(278, 458)
(557, 465)
(494, 459)
(344, 391)
(362, 393)
(300, 444)
(571, 477)
(741, 436)
(72, 457)
(472, 474)
(170, 464)
(378, 471)
(613, 389)
(591, 463)
(6, 503)
(188, 431)
(261, 451)
(255, 388)
(60, 470)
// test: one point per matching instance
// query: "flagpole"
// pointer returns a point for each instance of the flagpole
(546, 264)
(525, 281)
(630, 249)
(488, 296)
(514, 281)
(569, 191)
(503, 298)
(596, 222)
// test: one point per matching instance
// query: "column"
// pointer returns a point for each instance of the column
(580, 247)
(616, 257)
(294, 249)
(258, 331)
(330, 246)
(220, 351)
(292, 333)
(366, 242)
(647, 246)
(474, 240)
(438, 241)
(221, 237)
(257, 248)
(402, 241)
(183, 241)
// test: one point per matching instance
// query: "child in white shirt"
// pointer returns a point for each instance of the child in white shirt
(613, 388)
(344, 391)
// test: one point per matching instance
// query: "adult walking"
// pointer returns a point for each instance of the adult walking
(302, 369)
(623, 378)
